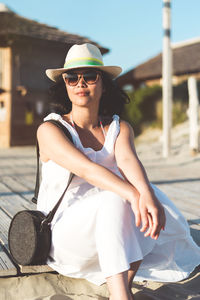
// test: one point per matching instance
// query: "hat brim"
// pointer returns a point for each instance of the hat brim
(55, 74)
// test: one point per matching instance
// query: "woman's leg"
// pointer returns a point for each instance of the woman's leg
(131, 273)
(118, 287)
(110, 232)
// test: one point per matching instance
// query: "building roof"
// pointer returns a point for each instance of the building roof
(186, 60)
(13, 25)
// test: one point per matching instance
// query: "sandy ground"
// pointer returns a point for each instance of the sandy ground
(56, 287)
(149, 145)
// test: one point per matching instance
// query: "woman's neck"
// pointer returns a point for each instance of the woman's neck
(84, 118)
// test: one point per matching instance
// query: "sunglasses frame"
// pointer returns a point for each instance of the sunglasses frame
(79, 76)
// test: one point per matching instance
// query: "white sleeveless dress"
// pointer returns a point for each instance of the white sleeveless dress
(94, 234)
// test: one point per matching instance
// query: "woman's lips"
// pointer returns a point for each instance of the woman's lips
(82, 94)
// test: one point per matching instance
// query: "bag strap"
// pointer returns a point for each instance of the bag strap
(37, 181)
(51, 214)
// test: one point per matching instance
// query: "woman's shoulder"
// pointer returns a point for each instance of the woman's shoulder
(45, 124)
(47, 127)
(55, 117)
(126, 128)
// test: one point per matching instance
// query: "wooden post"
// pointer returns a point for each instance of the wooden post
(6, 97)
(193, 115)
(167, 79)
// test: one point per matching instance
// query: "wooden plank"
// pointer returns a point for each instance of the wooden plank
(14, 166)
(7, 268)
(12, 203)
(27, 180)
(174, 191)
(13, 184)
(17, 187)
(4, 226)
(183, 204)
(187, 191)
(193, 186)
(35, 269)
(195, 233)
(191, 218)
(187, 204)
(17, 171)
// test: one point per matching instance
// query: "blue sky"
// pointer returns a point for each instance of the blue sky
(131, 29)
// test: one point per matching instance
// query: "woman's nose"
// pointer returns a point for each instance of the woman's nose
(81, 81)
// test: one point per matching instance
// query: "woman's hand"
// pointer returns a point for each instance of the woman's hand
(149, 213)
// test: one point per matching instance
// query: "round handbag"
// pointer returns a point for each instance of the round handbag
(29, 238)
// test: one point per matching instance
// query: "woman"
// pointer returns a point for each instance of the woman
(111, 221)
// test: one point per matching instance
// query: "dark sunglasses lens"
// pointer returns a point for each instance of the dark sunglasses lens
(71, 79)
(90, 77)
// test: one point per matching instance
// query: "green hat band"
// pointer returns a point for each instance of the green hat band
(84, 61)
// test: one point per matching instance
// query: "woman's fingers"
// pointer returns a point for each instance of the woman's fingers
(148, 232)
(158, 217)
(145, 219)
(150, 214)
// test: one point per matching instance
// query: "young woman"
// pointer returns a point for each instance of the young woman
(112, 221)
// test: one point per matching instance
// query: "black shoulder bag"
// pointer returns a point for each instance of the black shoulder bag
(29, 236)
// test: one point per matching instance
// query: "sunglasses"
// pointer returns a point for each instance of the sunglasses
(90, 77)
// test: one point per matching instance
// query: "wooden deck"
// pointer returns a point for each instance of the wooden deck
(181, 182)
(17, 179)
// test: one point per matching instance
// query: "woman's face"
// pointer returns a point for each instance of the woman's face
(84, 91)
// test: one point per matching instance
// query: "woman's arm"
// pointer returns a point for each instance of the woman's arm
(55, 146)
(151, 211)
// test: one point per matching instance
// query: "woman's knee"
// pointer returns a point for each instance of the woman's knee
(112, 202)
(113, 208)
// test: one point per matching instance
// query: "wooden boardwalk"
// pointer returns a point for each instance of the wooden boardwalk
(180, 181)
(17, 180)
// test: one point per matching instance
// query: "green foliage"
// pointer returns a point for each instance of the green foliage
(145, 107)
(141, 108)
(179, 113)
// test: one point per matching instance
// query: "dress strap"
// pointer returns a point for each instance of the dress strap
(112, 133)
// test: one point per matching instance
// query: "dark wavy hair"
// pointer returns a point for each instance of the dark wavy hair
(112, 101)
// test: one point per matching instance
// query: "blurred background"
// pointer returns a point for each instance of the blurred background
(36, 35)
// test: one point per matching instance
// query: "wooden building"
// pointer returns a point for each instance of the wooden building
(27, 49)
(186, 63)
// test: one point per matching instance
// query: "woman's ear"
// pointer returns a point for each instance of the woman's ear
(63, 76)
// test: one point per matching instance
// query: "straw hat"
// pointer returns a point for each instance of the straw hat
(83, 56)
